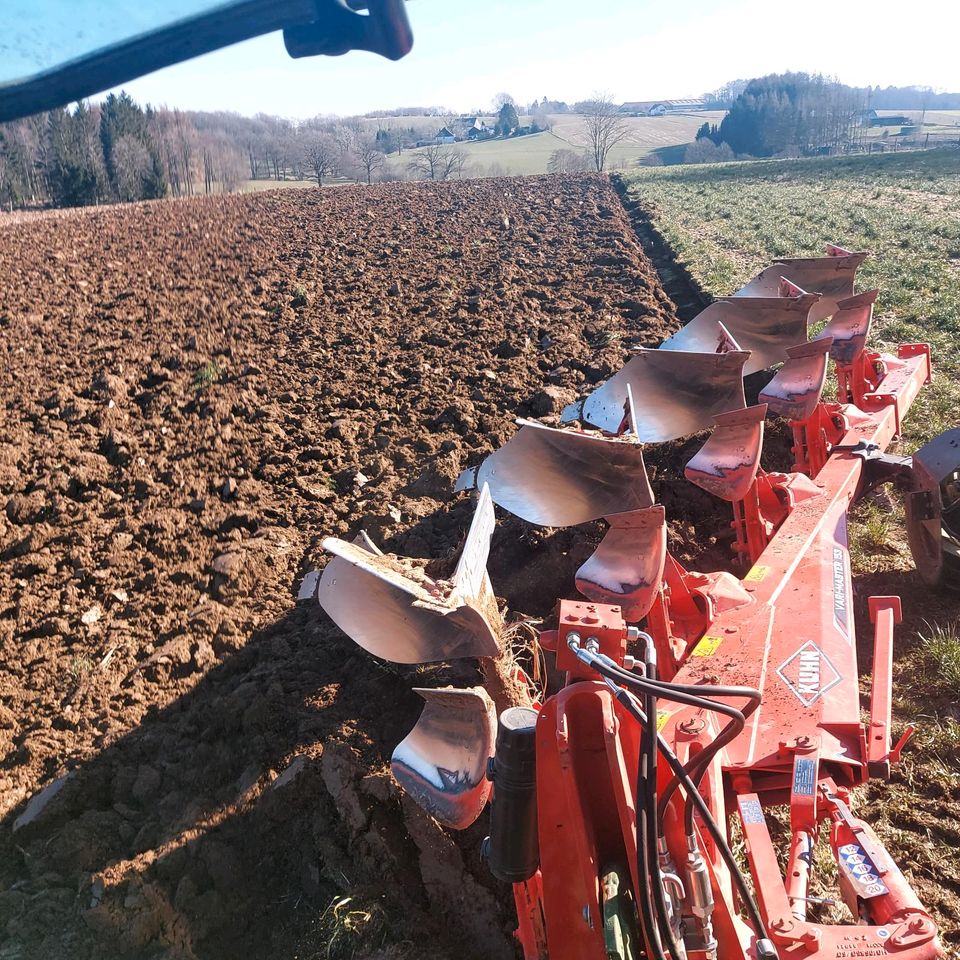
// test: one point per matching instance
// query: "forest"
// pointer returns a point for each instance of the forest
(120, 151)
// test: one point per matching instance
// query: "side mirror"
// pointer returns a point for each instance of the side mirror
(933, 510)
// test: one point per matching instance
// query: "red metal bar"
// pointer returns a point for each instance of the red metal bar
(531, 929)
(885, 613)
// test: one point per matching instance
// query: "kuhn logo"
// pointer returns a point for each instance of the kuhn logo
(808, 673)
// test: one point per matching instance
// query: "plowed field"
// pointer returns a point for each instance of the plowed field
(193, 394)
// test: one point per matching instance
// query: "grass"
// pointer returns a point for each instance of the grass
(80, 666)
(206, 376)
(940, 646)
(300, 298)
(352, 929)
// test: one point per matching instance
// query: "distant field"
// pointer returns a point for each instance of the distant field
(945, 118)
(530, 155)
(249, 186)
(938, 123)
(725, 222)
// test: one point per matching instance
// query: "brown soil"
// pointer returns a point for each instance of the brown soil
(194, 393)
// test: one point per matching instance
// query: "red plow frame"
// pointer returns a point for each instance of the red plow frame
(788, 631)
(615, 801)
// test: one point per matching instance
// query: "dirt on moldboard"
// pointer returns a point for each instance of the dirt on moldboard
(194, 393)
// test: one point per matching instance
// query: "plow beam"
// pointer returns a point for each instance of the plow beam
(726, 465)
(442, 762)
(805, 658)
(831, 276)
(766, 326)
(392, 609)
(806, 744)
(627, 567)
(562, 477)
(677, 393)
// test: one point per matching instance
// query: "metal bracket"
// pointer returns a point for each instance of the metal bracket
(878, 467)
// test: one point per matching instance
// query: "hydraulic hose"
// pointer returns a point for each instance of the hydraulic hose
(616, 674)
(716, 834)
(669, 691)
(647, 879)
(648, 751)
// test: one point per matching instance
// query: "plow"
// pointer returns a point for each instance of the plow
(686, 708)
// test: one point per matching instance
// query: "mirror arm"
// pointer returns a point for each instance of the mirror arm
(310, 27)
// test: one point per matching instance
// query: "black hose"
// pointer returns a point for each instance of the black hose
(648, 919)
(697, 766)
(718, 838)
(648, 749)
(615, 673)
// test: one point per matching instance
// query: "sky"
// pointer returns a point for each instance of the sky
(467, 52)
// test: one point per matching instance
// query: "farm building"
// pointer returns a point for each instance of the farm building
(890, 120)
(473, 128)
(658, 108)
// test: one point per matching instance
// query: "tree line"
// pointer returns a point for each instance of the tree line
(120, 151)
(801, 114)
(791, 113)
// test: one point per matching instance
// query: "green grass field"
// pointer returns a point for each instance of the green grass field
(727, 221)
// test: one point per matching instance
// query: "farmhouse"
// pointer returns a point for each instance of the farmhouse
(473, 128)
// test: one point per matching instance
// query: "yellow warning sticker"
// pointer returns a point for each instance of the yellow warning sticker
(707, 647)
(662, 718)
(756, 574)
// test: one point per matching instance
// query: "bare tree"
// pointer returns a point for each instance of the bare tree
(500, 99)
(369, 158)
(322, 155)
(705, 150)
(436, 161)
(132, 163)
(606, 127)
(568, 161)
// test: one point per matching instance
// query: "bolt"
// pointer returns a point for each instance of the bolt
(803, 741)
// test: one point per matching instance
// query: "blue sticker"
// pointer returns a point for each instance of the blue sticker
(857, 865)
(804, 776)
(751, 811)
